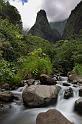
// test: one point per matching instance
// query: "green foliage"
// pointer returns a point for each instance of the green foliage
(34, 64)
(78, 69)
(10, 12)
(29, 43)
(8, 72)
(9, 31)
(67, 53)
(10, 36)
(22, 55)
(74, 24)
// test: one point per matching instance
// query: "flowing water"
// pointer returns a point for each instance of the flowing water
(18, 114)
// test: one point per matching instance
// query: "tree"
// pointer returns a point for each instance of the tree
(11, 13)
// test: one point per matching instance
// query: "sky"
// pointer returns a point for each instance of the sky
(56, 9)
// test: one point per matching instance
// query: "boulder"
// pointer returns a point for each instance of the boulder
(78, 106)
(46, 80)
(66, 84)
(80, 92)
(39, 95)
(51, 117)
(6, 96)
(5, 86)
(29, 82)
(68, 93)
(4, 107)
(75, 78)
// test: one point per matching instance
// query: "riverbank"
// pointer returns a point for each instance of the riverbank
(17, 113)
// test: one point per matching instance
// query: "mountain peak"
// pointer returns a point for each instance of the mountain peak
(42, 28)
(41, 13)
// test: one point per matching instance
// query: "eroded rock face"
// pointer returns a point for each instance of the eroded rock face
(68, 93)
(39, 95)
(78, 106)
(42, 28)
(6, 96)
(46, 80)
(51, 117)
(74, 23)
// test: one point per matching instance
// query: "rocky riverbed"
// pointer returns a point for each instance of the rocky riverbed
(62, 96)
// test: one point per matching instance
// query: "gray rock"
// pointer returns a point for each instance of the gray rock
(6, 96)
(78, 106)
(28, 82)
(46, 80)
(68, 93)
(5, 86)
(80, 92)
(51, 117)
(75, 78)
(66, 84)
(39, 95)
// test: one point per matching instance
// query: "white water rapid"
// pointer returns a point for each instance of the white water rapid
(21, 115)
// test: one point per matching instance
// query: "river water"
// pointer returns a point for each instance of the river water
(18, 114)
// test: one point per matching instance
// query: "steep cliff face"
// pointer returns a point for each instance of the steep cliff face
(59, 26)
(42, 28)
(74, 23)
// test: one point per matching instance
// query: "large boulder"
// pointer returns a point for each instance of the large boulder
(75, 78)
(68, 93)
(39, 95)
(6, 96)
(78, 106)
(51, 117)
(46, 80)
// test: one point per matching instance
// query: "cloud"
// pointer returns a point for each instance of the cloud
(56, 9)
(28, 11)
(59, 9)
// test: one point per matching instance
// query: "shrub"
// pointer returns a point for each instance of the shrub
(8, 72)
(34, 64)
(78, 69)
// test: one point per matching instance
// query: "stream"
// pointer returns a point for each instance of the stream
(18, 114)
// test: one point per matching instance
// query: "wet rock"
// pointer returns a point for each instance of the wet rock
(61, 78)
(28, 82)
(46, 80)
(78, 106)
(37, 82)
(51, 117)
(4, 107)
(6, 96)
(39, 95)
(68, 93)
(5, 86)
(75, 78)
(80, 92)
(66, 84)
